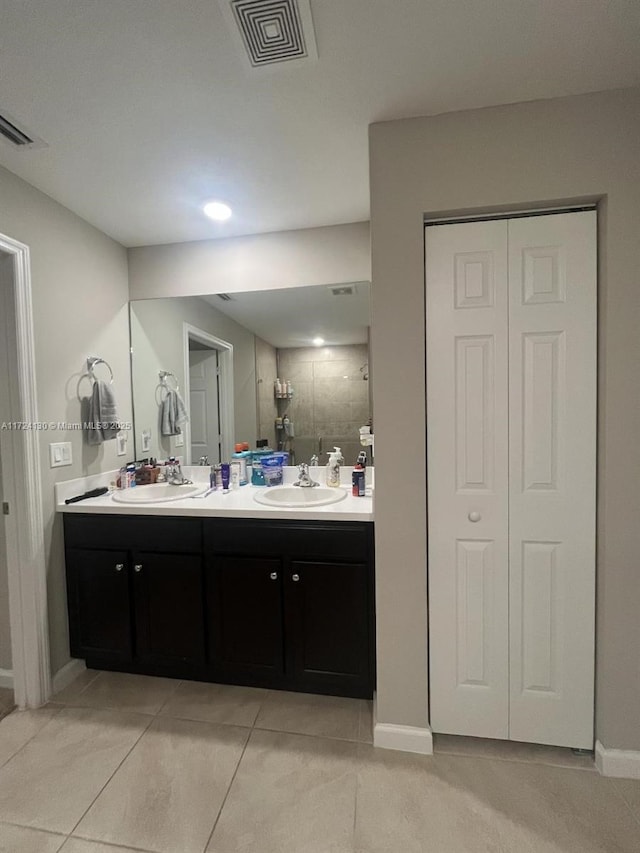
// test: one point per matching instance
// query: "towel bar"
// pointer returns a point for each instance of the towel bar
(92, 360)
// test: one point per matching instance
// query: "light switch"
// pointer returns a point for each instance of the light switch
(60, 454)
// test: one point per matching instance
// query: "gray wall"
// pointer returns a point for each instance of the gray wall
(80, 294)
(266, 374)
(518, 156)
(331, 255)
(157, 341)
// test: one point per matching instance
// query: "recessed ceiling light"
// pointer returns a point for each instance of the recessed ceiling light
(217, 210)
(318, 342)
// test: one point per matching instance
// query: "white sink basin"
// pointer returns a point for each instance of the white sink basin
(158, 493)
(292, 496)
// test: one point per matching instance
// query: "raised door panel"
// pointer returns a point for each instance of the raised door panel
(552, 420)
(169, 609)
(99, 604)
(244, 603)
(327, 607)
(467, 448)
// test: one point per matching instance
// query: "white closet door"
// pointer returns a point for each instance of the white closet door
(552, 405)
(467, 438)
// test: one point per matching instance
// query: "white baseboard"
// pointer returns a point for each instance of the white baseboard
(620, 763)
(403, 738)
(6, 678)
(69, 672)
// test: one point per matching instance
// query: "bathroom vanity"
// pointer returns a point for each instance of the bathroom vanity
(207, 590)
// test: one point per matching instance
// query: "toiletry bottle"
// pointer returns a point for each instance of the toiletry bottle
(278, 388)
(241, 456)
(357, 482)
(289, 390)
(333, 467)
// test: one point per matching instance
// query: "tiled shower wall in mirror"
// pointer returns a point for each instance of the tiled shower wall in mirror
(331, 396)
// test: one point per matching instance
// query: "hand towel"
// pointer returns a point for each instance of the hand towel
(173, 414)
(103, 417)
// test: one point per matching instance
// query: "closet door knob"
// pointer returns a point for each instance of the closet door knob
(137, 567)
(119, 567)
(295, 578)
(474, 516)
(274, 576)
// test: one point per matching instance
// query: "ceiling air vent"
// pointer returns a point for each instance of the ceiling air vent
(272, 32)
(16, 135)
(343, 290)
(225, 297)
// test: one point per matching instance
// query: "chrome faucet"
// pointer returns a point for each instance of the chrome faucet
(174, 476)
(204, 460)
(304, 478)
(313, 461)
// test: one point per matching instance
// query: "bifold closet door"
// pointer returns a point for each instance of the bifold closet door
(467, 449)
(511, 445)
(552, 477)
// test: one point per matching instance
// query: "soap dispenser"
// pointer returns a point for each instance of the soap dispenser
(333, 467)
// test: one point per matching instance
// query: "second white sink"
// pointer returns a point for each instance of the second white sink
(292, 496)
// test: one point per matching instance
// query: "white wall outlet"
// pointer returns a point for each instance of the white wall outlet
(121, 444)
(145, 443)
(60, 454)
(180, 439)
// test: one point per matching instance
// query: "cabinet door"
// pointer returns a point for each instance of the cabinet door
(99, 604)
(169, 612)
(244, 597)
(327, 606)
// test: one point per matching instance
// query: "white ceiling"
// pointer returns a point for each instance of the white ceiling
(148, 109)
(292, 317)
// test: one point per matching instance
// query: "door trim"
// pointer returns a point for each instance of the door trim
(26, 560)
(225, 361)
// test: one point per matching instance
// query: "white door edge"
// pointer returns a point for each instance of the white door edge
(225, 356)
(26, 562)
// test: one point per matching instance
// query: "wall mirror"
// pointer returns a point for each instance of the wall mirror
(219, 357)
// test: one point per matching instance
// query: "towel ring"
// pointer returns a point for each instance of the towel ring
(92, 361)
(164, 375)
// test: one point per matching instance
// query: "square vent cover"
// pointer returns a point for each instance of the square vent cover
(271, 32)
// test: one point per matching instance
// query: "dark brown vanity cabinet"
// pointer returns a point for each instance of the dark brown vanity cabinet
(135, 593)
(290, 604)
(280, 604)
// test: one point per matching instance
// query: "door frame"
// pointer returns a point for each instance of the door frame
(225, 363)
(22, 485)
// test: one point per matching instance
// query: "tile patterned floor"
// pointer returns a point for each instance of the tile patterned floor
(123, 764)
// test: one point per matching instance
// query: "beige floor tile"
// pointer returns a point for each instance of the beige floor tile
(505, 750)
(451, 804)
(215, 703)
(20, 839)
(167, 794)
(72, 691)
(51, 782)
(142, 694)
(303, 713)
(19, 727)
(80, 845)
(291, 794)
(630, 790)
(365, 725)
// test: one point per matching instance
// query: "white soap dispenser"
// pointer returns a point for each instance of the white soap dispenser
(333, 467)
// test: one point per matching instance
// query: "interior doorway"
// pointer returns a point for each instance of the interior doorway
(24, 633)
(208, 371)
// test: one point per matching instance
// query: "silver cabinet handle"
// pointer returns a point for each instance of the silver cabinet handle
(119, 567)
(295, 578)
(274, 576)
(137, 567)
(474, 516)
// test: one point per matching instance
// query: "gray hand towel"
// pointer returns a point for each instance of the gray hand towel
(173, 414)
(103, 417)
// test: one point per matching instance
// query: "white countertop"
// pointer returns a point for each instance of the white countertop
(238, 503)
